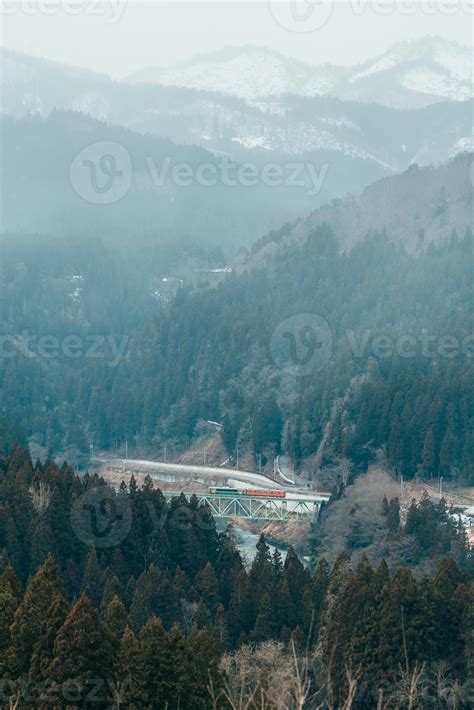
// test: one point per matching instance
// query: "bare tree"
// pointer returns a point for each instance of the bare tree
(412, 688)
(41, 495)
(269, 677)
(189, 610)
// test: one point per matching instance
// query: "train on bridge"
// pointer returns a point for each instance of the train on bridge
(249, 492)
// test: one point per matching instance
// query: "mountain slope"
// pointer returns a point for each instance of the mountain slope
(414, 208)
(224, 353)
(408, 75)
(248, 72)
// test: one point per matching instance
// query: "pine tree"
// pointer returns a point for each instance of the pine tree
(449, 590)
(320, 586)
(10, 583)
(340, 576)
(91, 584)
(110, 586)
(405, 635)
(116, 620)
(9, 600)
(176, 668)
(29, 619)
(208, 587)
(205, 671)
(428, 458)
(285, 612)
(144, 603)
(129, 691)
(298, 579)
(151, 671)
(42, 655)
(80, 653)
(277, 563)
(264, 628)
(221, 632)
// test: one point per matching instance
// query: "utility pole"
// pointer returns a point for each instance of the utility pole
(164, 453)
(440, 486)
(260, 463)
(126, 449)
(91, 445)
(237, 462)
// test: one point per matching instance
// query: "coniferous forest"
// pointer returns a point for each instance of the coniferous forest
(206, 354)
(162, 612)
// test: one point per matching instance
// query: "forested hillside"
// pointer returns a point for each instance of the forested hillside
(414, 208)
(395, 380)
(120, 599)
(164, 192)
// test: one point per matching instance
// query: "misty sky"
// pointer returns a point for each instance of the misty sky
(121, 36)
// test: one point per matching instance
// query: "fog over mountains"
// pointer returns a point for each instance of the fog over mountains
(367, 169)
(408, 75)
(325, 120)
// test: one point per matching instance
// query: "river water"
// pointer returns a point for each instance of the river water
(247, 544)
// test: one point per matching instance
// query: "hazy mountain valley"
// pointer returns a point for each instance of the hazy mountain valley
(237, 290)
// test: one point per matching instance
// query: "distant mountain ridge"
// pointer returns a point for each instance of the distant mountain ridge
(346, 134)
(408, 75)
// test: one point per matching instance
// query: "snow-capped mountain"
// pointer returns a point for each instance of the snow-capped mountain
(364, 140)
(247, 72)
(409, 75)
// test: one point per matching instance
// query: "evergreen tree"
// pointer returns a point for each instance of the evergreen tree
(43, 650)
(80, 653)
(30, 617)
(116, 620)
(205, 670)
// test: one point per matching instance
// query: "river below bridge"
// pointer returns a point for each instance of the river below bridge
(247, 544)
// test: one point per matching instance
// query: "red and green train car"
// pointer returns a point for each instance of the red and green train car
(250, 492)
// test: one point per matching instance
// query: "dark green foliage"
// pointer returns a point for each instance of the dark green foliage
(184, 619)
(206, 355)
